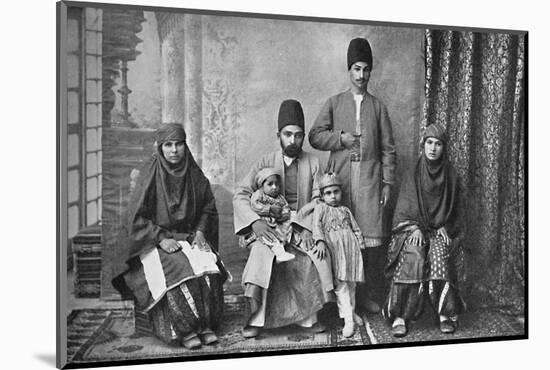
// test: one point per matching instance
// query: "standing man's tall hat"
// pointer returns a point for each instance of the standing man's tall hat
(359, 51)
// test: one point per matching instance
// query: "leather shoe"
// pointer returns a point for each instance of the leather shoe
(316, 328)
(399, 331)
(370, 306)
(192, 343)
(208, 338)
(251, 331)
(447, 327)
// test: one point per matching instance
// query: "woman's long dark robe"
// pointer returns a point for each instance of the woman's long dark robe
(171, 202)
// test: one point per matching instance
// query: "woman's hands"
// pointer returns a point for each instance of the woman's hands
(200, 242)
(417, 238)
(320, 250)
(169, 245)
(443, 233)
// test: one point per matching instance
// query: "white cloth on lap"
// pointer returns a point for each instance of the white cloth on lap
(200, 261)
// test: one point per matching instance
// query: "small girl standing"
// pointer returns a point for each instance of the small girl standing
(334, 226)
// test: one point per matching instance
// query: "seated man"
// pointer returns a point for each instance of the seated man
(292, 292)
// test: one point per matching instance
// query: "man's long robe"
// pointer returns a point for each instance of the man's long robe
(299, 288)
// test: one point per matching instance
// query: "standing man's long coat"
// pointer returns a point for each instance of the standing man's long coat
(378, 157)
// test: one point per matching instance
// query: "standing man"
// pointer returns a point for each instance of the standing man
(292, 292)
(355, 127)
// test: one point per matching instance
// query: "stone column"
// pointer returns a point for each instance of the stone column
(181, 76)
(172, 72)
(192, 32)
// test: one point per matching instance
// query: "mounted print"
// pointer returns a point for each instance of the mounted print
(236, 184)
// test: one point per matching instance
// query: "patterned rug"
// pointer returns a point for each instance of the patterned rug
(472, 325)
(97, 335)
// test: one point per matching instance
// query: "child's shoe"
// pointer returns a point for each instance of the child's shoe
(399, 328)
(281, 255)
(349, 327)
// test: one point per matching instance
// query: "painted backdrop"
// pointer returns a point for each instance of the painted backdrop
(224, 79)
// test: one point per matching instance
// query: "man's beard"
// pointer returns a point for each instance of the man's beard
(292, 150)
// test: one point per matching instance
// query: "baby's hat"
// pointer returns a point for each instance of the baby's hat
(329, 179)
(264, 173)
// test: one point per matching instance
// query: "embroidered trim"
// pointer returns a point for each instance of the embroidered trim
(443, 295)
(189, 299)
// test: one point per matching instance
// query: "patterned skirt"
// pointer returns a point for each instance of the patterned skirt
(194, 306)
(182, 292)
(425, 272)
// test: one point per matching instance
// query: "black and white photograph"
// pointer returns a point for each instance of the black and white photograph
(240, 184)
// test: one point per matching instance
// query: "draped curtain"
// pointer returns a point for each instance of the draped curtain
(475, 87)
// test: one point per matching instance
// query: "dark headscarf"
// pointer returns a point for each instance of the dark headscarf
(171, 175)
(359, 50)
(170, 131)
(169, 201)
(435, 130)
(432, 173)
(429, 193)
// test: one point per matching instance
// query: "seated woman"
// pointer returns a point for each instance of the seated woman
(167, 258)
(423, 254)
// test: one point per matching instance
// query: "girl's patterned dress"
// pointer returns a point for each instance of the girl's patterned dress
(338, 228)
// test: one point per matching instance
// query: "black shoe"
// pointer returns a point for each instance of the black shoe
(316, 328)
(370, 306)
